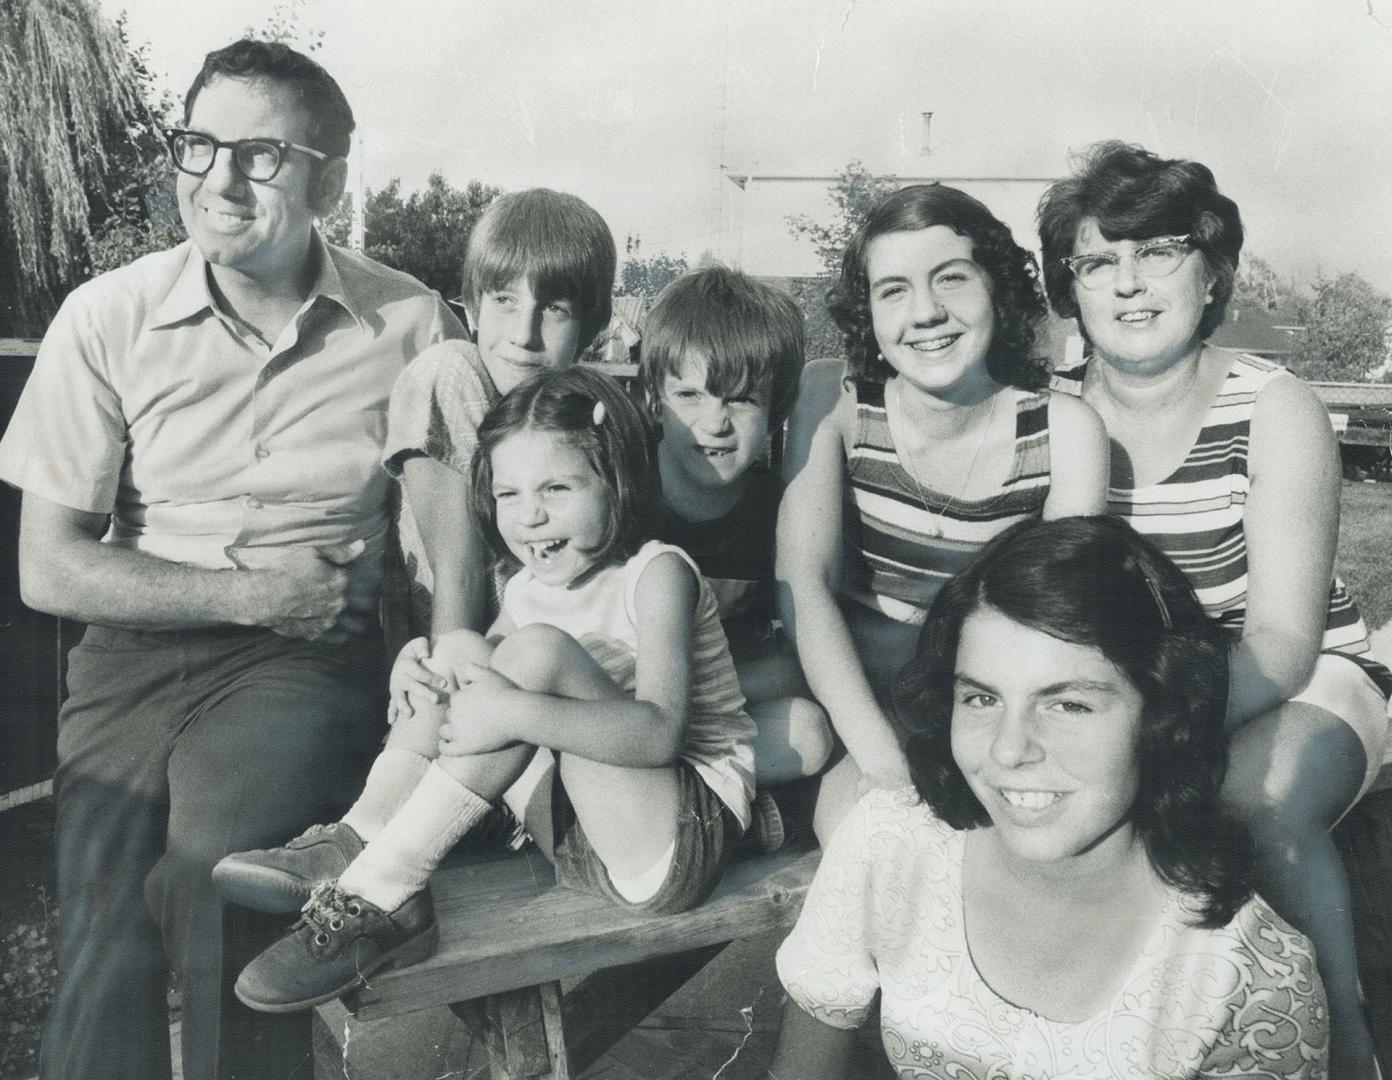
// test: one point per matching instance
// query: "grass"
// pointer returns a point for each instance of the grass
(27, 918)
(1365, 548)
(26, 988)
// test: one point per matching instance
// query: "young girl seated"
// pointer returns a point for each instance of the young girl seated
(1068, 898)
(607, 652)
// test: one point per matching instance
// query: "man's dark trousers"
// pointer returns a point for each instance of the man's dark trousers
(175, 748)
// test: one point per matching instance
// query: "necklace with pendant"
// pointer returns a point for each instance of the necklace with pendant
(911, 467)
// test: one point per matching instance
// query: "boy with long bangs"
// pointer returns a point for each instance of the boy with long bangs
(721, 357)
(538, 278)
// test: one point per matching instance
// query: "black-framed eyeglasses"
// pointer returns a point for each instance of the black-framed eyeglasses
(256, 159)
(1155, 258)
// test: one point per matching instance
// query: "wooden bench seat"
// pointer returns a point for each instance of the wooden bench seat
(509, 939)
(547, 979)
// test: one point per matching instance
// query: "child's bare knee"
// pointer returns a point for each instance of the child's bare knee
(533, 656)
(466, 643)
(809, 734)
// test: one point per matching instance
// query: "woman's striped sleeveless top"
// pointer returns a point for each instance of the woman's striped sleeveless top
(1195, 514)
(895, 562)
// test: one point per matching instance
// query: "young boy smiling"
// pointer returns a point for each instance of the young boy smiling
(721, 358)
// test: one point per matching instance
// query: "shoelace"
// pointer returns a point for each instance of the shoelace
(326, 908)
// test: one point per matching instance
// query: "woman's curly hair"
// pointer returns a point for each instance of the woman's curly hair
(1137, 195)
(1094, 581)
(1016, 296)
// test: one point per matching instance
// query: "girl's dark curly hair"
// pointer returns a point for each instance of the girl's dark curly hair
(1016, 296)
(1137, 195)
(1094, 581)
(591, 411)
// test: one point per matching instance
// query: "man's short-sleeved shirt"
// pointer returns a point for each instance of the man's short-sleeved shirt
(205, 446)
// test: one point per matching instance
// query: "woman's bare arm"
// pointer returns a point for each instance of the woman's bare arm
(1291, 525)
(809, 568)
(1079, 459)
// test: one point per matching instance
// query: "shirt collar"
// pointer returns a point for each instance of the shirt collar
(190, 295)
(329, 283)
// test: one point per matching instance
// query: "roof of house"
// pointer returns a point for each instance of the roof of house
(1254, 329)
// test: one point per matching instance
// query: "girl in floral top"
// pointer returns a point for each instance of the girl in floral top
(1059, 893)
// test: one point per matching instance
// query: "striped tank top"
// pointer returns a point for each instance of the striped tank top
(896, 562)
(1195, 514)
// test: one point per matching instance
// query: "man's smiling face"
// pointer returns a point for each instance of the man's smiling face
(260, 229)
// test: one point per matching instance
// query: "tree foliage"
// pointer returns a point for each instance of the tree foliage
(424, 234)
(283, 25)
(854, 191)
(1346, 329)
(72, 107)
(646, 276)
(137, 210)
(1259, 285)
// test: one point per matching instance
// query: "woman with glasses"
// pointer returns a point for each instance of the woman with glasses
(1229, 464)
(937, 433)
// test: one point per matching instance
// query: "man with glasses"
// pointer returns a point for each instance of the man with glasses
(198, 450)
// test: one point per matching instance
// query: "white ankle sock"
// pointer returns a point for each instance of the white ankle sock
(398, 862)
(394, 776)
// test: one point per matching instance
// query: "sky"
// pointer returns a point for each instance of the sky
(646, 108)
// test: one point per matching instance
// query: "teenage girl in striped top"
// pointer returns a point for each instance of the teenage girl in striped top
(934, 435)
(1229, 465)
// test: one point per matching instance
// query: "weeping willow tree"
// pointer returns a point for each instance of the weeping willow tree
(68, 93)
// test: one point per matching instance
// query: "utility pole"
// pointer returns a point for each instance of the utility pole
(357, 237)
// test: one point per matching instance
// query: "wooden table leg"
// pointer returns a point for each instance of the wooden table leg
(522, 1031)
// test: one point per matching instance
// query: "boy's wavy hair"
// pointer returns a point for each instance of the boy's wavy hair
(1016, 297)
(1137, 195)
(557, 242)
(330, 118)
(1094, 581)
(749, 334)
(619, 447)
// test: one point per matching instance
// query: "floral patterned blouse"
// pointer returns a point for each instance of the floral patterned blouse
(884, 914)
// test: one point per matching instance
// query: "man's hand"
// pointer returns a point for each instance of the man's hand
(411, 678)
(305, 592)
(426, 675)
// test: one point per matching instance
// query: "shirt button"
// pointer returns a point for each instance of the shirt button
(254, 504)
(262, 453)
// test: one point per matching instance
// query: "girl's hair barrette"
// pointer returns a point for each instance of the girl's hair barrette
(598, 415)
(1154, 588)
(1134, 565)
